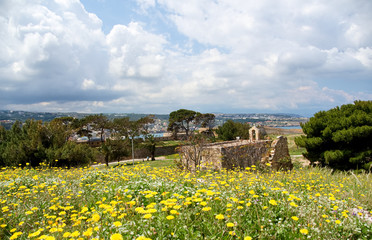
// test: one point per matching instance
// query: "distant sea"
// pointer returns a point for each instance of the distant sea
(158, 134)
(291, 127)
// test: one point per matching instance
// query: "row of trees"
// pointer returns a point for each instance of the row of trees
(34, 142)
(184, 120)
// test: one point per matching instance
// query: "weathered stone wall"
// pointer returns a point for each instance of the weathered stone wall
(160, 151)
(240, 154)
(280, 158)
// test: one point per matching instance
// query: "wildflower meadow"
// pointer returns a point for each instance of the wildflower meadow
(146, 202)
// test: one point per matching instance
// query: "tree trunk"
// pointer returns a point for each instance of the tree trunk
(107, 160)
(153, 148)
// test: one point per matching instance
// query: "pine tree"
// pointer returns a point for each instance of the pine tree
(340, 138)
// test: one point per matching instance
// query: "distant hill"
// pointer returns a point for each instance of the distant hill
(8, 117)
(48, 116)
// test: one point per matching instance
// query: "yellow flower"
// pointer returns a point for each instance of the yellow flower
(295, 218)
(143, 238)
(206, 209)
(230, 224)
(66, 234)
(220, 217)
(117, 224)
(170, 217)
(173, 212)
(35, 234)
(147, 216)
(203, 203)
(248, 238)
(15, 235)
(88, 232)
(338, 222)
(95, 217)
(116, 236)
(304, 231)
(75, 234)
(273, 202)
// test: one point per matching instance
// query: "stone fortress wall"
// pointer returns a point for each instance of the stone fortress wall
(240, 153)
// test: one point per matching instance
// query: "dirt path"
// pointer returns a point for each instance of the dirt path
(126, 161)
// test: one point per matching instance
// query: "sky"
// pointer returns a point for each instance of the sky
(158, 56)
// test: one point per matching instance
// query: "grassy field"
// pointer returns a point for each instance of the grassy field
(153, 200)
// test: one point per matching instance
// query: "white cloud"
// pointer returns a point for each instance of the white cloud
(135, 52)
(263, 55)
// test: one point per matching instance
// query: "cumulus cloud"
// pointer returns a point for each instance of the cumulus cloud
(135, 52)
(49, 50)
(245, 56)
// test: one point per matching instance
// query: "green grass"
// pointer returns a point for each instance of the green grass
(158, 163)
(170, 143)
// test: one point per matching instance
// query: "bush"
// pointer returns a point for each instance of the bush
(73, 155)
(340, 138)
(230, 130)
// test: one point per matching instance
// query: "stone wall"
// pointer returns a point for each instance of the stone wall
(239, 154)
(160, 151)
(279, 156)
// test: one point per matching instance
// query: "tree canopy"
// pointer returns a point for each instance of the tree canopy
(181, 120)
(340, 138)
(230, 130)
(34, 142)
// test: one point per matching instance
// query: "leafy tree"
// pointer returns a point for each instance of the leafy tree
(73, 154)
(181, 120)
(114, 149)
(340, 138)
(123, 131)
(59, 130)
(98, 123)
(206, 120)
(243, 130)
(25, 144)
(230, 130)
(3, 140)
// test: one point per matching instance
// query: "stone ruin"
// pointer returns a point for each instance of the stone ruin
(256, 133)
(238, 154)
